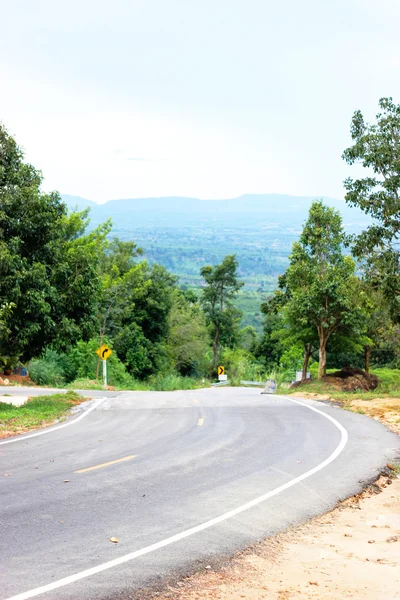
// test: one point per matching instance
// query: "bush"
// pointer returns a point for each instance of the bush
(84, 362)
(169, 383)
(49, 369)
(57, 369)
(389, 379)
(240, 364)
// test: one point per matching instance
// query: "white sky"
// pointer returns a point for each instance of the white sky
(204, 98)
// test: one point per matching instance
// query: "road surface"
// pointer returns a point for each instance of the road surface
(181, 479)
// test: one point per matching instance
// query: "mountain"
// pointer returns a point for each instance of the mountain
(179, 211)
(77, 202)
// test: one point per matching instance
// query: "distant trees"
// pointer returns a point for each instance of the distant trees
(377, 148)
(221, 286)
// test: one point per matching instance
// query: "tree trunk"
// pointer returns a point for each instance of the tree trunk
(98, 360)
(322, 359)
(307, 354)
(367, 357)
(215, 348)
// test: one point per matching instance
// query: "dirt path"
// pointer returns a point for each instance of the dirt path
(351, 552)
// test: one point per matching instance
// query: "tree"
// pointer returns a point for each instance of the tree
(377, 148)
(48, 268)
(324, 292)
(188, 340)
(221, 286)
(138, 320)
(269, 349)
(301, 335)
(379, 326)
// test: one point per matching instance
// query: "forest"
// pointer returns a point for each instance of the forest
(67, 286)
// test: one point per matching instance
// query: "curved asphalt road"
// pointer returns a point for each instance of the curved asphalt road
(189, 457)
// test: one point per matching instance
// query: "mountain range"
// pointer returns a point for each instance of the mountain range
(276, 206)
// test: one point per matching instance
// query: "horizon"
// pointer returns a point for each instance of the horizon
(176, 196)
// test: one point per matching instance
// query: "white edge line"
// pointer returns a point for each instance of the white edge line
(184, 534)
(72, 421)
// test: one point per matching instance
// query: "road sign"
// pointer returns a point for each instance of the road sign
(104, 352)
(221, 370)
(222, 377)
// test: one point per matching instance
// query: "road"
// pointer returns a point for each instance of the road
(182, 479)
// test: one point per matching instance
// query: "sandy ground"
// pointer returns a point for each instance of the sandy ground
(351, 552)
(385, 410)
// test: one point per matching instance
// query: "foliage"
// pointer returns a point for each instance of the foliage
(5, 312)
(221, 286)
(136, 301)
(80, 363)
(292, 358)
(83, 360)
(269, 348)
(188, 336)
(324, 294)
(377, 148)
(50, 369)
(171, 382)
(48, 268)
(240, 365)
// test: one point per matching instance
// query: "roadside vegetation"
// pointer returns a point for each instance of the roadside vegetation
(66, 288)
(36, 412)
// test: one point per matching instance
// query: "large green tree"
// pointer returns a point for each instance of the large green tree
(325, 294)
(221, 286)
(48, 268)
(377, 148)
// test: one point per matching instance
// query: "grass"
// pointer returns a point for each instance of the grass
(382, 404)
(159, 383)
(389, 387)
(37, 412)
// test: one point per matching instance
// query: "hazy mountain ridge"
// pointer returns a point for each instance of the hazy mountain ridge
(274, 204)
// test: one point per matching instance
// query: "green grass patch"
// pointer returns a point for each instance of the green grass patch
(35, 413)
(157, 383)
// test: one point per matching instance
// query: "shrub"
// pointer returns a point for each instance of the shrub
(49, 369)
(84, 362)
(169, 383)
(240, 364)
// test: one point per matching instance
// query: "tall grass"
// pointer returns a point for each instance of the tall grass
(169, 383)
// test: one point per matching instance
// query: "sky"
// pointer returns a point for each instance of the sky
(201, 98)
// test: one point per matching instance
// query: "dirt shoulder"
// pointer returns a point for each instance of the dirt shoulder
(350, 552)
(385, 409)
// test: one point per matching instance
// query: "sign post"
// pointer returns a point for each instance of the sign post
(104, 373)
(221, 374)
(104, 352)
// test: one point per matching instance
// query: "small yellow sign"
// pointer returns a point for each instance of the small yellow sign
(104, 352)
(221, 370)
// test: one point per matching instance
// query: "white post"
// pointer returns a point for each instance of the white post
(105, 373)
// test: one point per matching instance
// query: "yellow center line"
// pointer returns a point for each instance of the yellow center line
(106, 464)
(200, 422)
